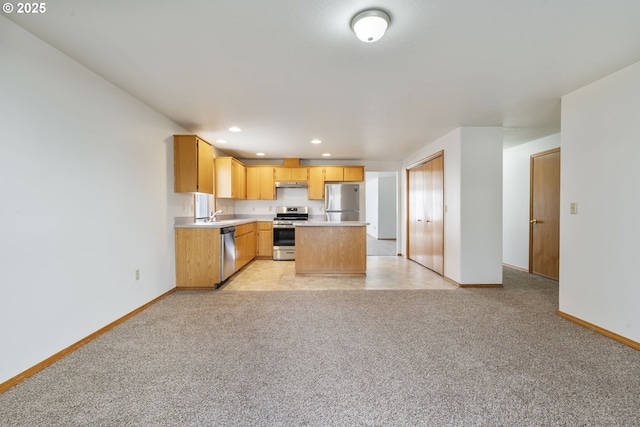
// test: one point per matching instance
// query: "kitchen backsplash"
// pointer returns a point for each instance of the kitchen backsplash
(285, 197)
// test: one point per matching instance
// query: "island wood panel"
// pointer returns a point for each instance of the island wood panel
(197, 257)
(331, 251)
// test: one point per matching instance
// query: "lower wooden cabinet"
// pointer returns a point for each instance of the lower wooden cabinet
(264, 239)
(197, 257)
(245, 244)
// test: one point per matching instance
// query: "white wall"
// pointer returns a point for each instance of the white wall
(599, 280)
(387, 207)
(87, 198)
(473, 201)
(372, 203)
(516, 198)
(382, 204)
(481, 205)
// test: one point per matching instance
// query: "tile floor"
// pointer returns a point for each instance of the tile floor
(383, 272)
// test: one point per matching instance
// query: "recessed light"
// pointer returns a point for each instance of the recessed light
(235, 129)
(221, 141)
(326, 155)
(259, 154)
(316, 141)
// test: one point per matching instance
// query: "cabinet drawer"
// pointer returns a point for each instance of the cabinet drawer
(265, 225)
(245, 229)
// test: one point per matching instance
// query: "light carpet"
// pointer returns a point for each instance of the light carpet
(465, 357)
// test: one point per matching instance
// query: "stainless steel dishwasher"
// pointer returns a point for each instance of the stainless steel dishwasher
(227, 252)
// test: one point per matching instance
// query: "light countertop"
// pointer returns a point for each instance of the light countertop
(332, 224)
(219, 224)
(239, 221)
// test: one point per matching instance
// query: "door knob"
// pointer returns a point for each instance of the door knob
(533, 221)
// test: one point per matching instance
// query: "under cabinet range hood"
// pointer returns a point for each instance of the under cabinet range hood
(291, 184)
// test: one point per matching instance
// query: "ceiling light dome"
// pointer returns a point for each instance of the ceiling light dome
(370, 25)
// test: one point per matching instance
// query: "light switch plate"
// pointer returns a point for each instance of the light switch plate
(573, 208)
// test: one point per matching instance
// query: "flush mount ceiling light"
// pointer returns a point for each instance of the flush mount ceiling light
(316, 141)
(221, 141)
(259, 154)
(235, 129)
(370, 25)
(326, 155)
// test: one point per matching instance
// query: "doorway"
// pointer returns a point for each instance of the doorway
(544, 220)
(381, 213)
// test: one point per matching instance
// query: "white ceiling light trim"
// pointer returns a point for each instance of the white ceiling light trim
(235, 129)
(370, 25)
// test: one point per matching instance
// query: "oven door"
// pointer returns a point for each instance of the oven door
(284, 242)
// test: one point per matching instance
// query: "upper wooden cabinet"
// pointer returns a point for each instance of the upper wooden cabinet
(192, 165)
(318, 175)
(354, 173)
(230, 178)
(316, 183)
(333, 173)
(344, 173)
(260, 183)
(291, 174)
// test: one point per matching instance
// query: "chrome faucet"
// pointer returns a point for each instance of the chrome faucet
(212, 215)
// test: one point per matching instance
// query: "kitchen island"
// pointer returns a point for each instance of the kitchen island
(331, 248)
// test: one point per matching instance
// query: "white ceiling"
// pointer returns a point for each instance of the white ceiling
(288, 71)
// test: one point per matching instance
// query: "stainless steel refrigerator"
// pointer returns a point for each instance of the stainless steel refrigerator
(342, 202)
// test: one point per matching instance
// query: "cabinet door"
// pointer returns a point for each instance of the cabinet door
(283, 174)
(192, 165)
(239, 180)
(224, 177)
(354, 173)
(267, 185)
(254, 183)
(333, 173)
(264, 239)
(205, 167)
(316, 183)
(299, 174)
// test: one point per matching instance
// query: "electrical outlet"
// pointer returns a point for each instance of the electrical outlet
(137, 274)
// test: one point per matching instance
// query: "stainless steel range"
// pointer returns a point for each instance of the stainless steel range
(284, 232)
